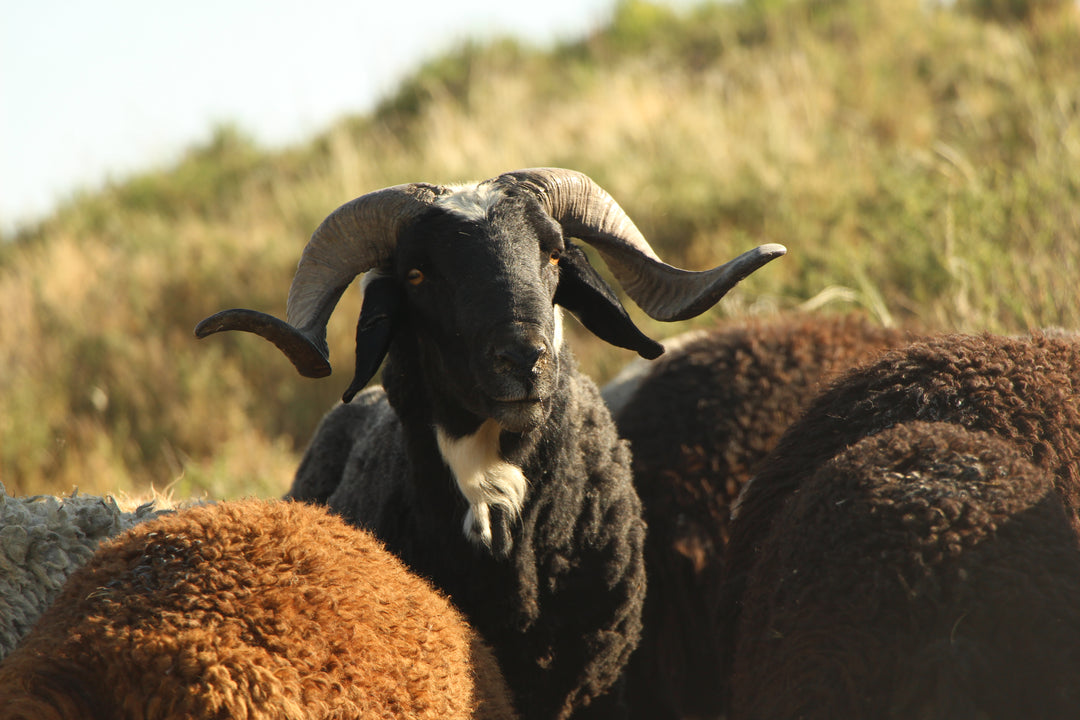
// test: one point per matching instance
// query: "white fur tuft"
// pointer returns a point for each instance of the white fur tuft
(483, 477)
(472, 202)
(369, 277)
(558, 339)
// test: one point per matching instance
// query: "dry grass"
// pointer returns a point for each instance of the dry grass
(918, 162)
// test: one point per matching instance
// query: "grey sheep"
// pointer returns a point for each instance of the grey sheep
(43, 539)
(699, 420)
(925, 572)
(1022, 389)
(263, 610)
(486, 461)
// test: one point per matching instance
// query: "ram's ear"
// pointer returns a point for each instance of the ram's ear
(374, 330)
(583, 292)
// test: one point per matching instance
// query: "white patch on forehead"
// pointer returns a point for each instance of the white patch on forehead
(483, 477)
(472, 202)
(369, 277)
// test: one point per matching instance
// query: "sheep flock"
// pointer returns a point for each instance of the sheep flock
(800, 516)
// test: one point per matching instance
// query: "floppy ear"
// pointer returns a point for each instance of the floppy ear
(374, 329)
(583, 292)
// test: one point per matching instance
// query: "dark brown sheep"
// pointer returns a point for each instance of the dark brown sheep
(925, 572)
(1023, 389)
(699, 421)
(252, 610)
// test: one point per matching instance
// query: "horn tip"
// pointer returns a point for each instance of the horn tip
(307, 351)
(652, 351)
(772, 250)
(318, 371)
(213, 324)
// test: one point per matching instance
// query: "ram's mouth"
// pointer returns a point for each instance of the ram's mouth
(518, 402)
(526, 404)
(519, 415)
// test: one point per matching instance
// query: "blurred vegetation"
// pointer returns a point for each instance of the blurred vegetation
(921, 162)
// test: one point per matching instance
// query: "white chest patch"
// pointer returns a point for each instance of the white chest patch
(483, 477)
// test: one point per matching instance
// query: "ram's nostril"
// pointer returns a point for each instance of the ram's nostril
(518, 349)
(521, 358)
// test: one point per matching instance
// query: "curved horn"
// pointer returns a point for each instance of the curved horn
(358, 236)
(587, 211)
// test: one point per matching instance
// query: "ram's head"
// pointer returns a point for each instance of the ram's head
(475, 274)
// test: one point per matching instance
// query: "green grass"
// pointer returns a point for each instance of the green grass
(921, 163)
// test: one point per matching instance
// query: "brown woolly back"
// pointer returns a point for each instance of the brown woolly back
(699, 423)
(925, 572)
(1024, 389)
(249, 609)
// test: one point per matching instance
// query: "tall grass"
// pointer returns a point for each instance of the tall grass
(921, 162)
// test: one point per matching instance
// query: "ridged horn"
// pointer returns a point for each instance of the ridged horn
(586, 211)
(358, 236)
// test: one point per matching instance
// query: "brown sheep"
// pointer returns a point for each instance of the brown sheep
(926, 572)
(1023, 389)
(253, 610)
(698, 422)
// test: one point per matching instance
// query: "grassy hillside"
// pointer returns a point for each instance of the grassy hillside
(921, 164)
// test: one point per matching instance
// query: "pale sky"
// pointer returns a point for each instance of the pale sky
(92, 89)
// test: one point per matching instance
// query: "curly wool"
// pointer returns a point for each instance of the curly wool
(253, 610)
(1023, 389)
(43, 539)
(698, 423)
(925, 572)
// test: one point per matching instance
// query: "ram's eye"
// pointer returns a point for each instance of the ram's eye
(553, 258)
(414, 277)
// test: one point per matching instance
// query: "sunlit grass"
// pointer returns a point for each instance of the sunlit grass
(919, 161)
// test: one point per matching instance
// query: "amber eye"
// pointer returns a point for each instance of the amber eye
(414, 277)
(554, 257)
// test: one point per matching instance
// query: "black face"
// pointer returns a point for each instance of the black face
(479, 288)
(472, 287)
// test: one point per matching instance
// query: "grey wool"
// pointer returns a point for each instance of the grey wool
(43, 540)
